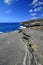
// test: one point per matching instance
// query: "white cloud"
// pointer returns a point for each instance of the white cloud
(34, 17)
(37, 9)
(33, 2)
(7, 1)
(38, 4)
(33, 14)
(30, 10)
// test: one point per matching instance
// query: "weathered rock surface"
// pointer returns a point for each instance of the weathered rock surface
(13, 51)
(23, 48)
(32, 23)
(33, 37)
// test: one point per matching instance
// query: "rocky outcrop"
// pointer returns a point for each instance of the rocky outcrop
(32, 36)
(32, 23)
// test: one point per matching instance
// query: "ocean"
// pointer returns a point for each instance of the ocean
(7, 27)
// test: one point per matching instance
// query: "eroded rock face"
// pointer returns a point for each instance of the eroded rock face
(33, 23)
(23, 48)
(34, 39)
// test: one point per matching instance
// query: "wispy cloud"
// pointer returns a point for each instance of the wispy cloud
(38, 4)
(34, 17)
(31, 10)
(33, 14)
(37, 9)
(33, 2)
(7, 1)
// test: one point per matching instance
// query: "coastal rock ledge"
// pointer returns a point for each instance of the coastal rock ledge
(32, 36)
(23, 47)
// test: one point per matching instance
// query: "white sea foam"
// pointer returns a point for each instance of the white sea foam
(22, 27)
(1, 32)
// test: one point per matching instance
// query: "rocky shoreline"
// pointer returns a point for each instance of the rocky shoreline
(23, 47)
(32, 36)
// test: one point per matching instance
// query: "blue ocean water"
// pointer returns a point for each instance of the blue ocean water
(7, 27)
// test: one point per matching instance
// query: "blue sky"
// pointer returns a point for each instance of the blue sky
(20, 10)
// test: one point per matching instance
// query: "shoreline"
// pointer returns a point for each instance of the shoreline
(22, 47)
